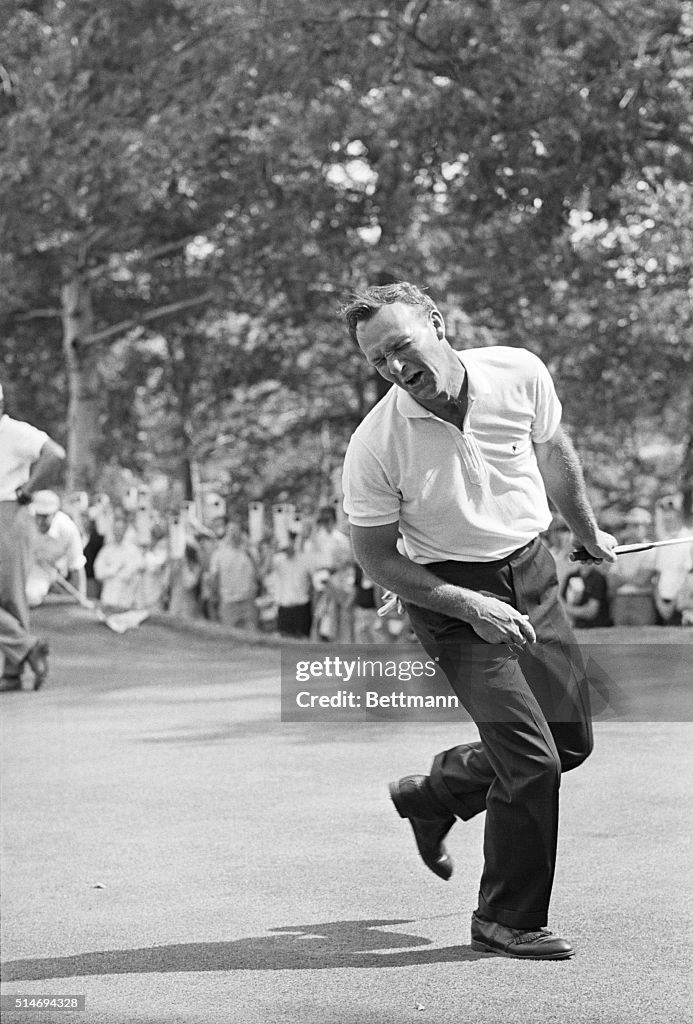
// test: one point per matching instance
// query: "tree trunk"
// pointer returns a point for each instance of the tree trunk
(84, 384)
(687, 481)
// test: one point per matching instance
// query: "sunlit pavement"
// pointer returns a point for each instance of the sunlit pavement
(174, 852)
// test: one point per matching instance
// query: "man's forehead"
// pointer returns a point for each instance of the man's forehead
(391, 319)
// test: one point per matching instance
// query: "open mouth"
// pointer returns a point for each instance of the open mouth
(416, 378)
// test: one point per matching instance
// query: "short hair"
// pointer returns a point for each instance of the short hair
(366, 302)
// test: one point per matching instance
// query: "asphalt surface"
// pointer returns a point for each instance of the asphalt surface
(176, 853)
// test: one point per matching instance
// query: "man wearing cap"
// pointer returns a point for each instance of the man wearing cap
(57, 549)
(29, 459)
(631, 581)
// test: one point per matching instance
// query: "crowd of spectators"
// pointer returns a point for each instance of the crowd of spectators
(644, 588)
(294, 574)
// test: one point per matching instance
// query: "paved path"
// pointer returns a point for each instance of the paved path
(177, 854)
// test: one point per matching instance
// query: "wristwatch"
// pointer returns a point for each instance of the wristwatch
(23, 497)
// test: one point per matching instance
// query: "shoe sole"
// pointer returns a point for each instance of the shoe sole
(482, 947)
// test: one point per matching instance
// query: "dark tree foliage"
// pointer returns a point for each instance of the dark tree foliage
(189, 188)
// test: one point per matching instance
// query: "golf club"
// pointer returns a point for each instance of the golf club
(582, 555)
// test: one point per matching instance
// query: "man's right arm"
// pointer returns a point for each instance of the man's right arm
(46, 468)
(375, 548)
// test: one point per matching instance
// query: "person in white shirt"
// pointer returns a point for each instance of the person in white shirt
(118, 566)
(332, 558)
(57, 549)
(328, 547)
(672, 564)
(631, 581)
(29, 459)
(445, 486)
(235, 580)
(290, 580)
(155, 575)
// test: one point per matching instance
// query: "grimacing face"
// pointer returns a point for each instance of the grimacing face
(405, 345)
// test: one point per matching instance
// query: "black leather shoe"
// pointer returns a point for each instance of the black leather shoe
(429, 828)
(523, 944)
(37, 658)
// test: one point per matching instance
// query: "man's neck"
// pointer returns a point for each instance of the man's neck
(453, 410)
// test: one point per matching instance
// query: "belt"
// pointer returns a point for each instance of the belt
(494, 563)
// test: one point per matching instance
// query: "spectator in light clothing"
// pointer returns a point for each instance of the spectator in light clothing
(684, 602)
(57, 550)
(236, 580)
(672, 564)
(330, 551)
(154, 579)
(631, 579)
(290, 582)
(184, 583)
(328, 547)
(118, 566)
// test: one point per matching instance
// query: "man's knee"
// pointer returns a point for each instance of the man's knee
(540, 771)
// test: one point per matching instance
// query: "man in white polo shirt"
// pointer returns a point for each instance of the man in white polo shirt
(28, 460)
(445, 486)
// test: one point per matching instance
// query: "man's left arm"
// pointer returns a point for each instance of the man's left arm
(561, 472)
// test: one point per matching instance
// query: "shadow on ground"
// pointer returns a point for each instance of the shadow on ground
(293, 948)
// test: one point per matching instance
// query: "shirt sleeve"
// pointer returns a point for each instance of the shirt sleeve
(29, 440)
(547, 407)
(369, 497)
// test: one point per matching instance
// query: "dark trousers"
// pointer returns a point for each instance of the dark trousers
(294, 619)
(532, 712)
(15, 558)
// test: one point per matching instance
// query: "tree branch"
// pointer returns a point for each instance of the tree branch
(153, 314)
(414, 13)
(38, 314)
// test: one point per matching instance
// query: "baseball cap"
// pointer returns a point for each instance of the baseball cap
(45, 503)
(639, 517)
